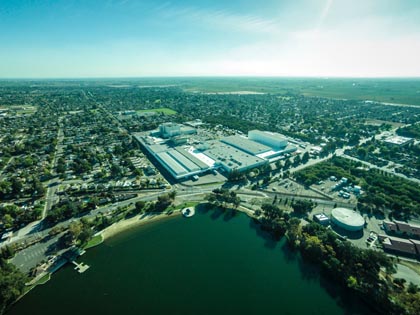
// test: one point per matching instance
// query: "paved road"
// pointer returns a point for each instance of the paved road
(370, 165)
(52, 184)
(407, 274)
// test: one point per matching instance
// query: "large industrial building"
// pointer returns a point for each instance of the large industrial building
(231, 158)
(168, 130)
(176, 160)
(271, 139)
(182, 158)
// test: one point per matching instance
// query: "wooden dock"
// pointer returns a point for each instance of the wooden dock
(80, 268)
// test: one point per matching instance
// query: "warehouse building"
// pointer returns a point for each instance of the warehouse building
(244, 144)
(168, 130)
(177, 161)
(271, 139)
(231, 158)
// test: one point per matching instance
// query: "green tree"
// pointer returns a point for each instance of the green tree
(7, 252)
(16, 185)
(271, 212)
(139, 206)
(12, 284)
(297, 160)
(302, 207)
(75, 228)
(8, 221)
(305, 157)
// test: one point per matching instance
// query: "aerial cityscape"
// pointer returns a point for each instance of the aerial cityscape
(144, 169)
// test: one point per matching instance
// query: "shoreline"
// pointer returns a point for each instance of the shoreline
(141, 219)
(126, 225)
(134, 222)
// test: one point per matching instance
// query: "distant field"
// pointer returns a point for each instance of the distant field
(19, 109)
(380, 122)
(164, 110)
(400, 91)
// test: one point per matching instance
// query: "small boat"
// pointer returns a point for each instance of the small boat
(188, 212)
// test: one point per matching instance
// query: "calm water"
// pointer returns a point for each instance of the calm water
(207, 264)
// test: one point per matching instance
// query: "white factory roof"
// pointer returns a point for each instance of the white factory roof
(201, 156)
(246, 144)
(398, 140)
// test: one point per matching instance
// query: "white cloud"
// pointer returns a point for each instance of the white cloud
(324, 54)
(220, 19)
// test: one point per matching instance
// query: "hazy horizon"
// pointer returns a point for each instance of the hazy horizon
(210, 77)
(74, 39)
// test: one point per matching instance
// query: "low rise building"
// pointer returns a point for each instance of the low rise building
(322, 219)
(390, 226)
(403, 228)
(398, 245)
(398, 140)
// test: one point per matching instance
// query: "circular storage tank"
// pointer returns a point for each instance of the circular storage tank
(347, 219)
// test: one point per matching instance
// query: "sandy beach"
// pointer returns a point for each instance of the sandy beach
(143, 219)
(133, 222)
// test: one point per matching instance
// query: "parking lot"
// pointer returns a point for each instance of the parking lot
(337, 189)
(33, 255)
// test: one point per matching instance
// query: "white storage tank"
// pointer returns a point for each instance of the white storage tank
(347, 219)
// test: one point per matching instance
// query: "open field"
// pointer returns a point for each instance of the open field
(96, 240)
(164, 110)
(377, 122)
(19, 109)
(400, 91)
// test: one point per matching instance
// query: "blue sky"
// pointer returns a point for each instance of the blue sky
(132, 38)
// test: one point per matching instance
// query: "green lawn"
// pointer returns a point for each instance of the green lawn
(44, 279)
(96, 240)
(164, 110)
(392, 90)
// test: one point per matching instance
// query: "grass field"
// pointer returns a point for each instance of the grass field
(185, 205)
(96, 240)
(20, 109)
(44, 279)
(390, 90)
(164, 110)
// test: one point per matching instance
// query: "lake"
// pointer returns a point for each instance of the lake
(212, 263)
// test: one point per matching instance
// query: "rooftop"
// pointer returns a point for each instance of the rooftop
(348, 217)
(246, 145)
(231, 156)
(398, 140)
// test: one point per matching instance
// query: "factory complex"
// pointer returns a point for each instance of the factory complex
(184, 154)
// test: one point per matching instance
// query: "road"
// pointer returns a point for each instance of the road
(52, 184)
